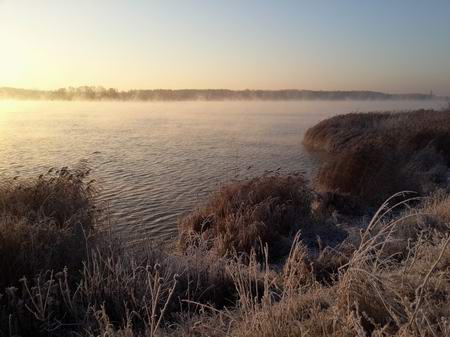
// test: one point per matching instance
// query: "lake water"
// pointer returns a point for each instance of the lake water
(156, 161)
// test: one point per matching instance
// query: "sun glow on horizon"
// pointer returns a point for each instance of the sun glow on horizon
(233, 45)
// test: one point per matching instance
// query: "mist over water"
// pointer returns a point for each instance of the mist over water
(156, 161)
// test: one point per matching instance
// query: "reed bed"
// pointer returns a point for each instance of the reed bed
(373, 155)
(412, 129)
(62, 275)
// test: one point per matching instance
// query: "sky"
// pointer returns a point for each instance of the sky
(385, 45)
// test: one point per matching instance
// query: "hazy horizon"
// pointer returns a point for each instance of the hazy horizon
(107, 87)
(385, 46)
(90, 93)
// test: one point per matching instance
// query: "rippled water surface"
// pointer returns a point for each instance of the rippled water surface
(156, 161)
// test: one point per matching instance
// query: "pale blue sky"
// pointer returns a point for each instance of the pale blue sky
(395, 46)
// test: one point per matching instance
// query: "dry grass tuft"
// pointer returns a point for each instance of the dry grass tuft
(45, 223)
(238, 215)
(63, 197)
(387, 283)
(268, 209)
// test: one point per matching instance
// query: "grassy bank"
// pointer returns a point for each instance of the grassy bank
(373, 155)
(267, 256)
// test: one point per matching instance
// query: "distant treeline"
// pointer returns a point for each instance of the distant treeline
(99, 93)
